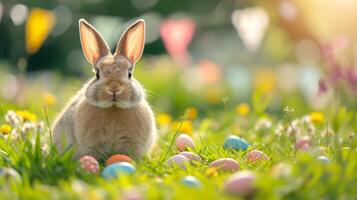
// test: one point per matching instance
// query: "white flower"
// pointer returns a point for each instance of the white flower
(263, 124)
(279, 130)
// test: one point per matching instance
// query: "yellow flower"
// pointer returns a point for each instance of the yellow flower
(191, 113)
(49, 99)
(5, 129)
(26, 115)
(186, 126)
(243, 109)
(163, 119)
(211, 172)
(317, 117)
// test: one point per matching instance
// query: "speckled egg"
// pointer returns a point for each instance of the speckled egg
(178, 160)
(118, 158)
(240, 183)
(236, 143)
(89, 164)
(191, 156)
(303, 143)
(323, 159)
(256, 155)
(191, 181)
(10, 175)
(225, 164)
(184, 141)
(116, 169)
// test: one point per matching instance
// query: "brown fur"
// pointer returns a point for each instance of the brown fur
(109, 114)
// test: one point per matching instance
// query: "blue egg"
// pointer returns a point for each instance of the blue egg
(236, 143)
(114, 170)
(323, 159)
(191, 181)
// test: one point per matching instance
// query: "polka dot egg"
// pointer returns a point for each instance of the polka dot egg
(116, 169)
(118, 158)
(225, 164)
(256, 155)
(184, 141)
(89, 164)
(235, 143)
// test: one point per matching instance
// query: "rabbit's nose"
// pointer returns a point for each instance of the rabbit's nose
(114, 91)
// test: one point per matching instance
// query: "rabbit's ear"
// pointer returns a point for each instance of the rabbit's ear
(131, 43)
(93, 44)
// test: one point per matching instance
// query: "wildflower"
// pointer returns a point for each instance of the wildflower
(243, 109)
(11, 118)
(317, 117)
(5, 129)
(163, 119)
(186, 126)
(49, 99)
(26, 115)
(263, 124)
(279, 130)
(191, 113)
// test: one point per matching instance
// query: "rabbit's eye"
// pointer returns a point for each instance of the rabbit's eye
(129, 74)
(97, 74)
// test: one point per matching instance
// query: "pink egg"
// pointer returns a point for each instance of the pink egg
(191, 156)
(89, 164)
(184, 141)
(178, 160)
(256, 155)
(240, 183)
(303, 143)
(225, 164)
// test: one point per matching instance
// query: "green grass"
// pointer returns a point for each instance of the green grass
(49, 175)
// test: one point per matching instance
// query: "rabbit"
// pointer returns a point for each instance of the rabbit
(110, 114)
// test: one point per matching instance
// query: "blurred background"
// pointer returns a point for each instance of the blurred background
(207, 54)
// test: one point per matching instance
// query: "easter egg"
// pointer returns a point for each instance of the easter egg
(281, 170)
(10, 174)
(236, 143)
(225, 164)
(191, 181)
(118, 158)
(184, 141)
(116, 169)
(323, 159)
(240, 183)
(178, 160)
(303, 143)
(191, 156)
(89, 164)
(256, 155)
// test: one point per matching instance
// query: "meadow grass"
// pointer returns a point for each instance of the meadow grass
(289, 173)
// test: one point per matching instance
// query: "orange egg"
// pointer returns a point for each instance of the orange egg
(118, 158)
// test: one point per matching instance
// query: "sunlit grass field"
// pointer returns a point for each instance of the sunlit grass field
(325, 168)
